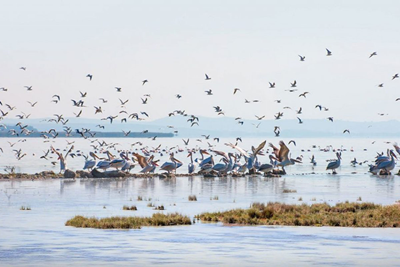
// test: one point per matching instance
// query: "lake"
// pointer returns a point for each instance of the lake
(38, 237)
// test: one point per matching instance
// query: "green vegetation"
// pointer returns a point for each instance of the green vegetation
(157, 219)
(192, 198)
(129, 208)
(342, 214)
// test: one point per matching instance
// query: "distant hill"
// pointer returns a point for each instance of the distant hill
(222, 127)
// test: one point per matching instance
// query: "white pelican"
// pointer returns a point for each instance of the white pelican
(334, 164)
(171, 166)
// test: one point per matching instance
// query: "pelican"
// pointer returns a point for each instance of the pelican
(265, 168)
(191, 166)
(105, 164)
(118, 163)
(224, 168)
(203, 160)
(387, 165)
(334, 164)
(89, 164)
(171, 166)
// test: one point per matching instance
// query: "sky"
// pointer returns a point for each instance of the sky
(172, 44)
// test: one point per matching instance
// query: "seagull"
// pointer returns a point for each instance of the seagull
(32, 104)
(235, 90)
(118, 89)
(380, 85)
(144, 81)
(328, 53)
(83, 94)
(123, 102)
(346, 131)
(302, 58)
(209, 92)
(299, 111)
(395, 76)
(300, 121)
(29, 88)
(373, 54)
(271, 85)
(22, 68)
(90, 76)
(144, 101)
(293, 84)
(330, 118)
(207, 78)
(259, 118)
(303, 94)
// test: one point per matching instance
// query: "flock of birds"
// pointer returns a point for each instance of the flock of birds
(241, 161)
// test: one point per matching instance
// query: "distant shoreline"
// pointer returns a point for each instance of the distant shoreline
(95, 134)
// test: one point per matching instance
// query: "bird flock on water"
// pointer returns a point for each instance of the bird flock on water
(205, 160)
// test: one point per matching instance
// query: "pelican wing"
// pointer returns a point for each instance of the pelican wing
(241, 151)
(258, 149)
(221, 153)
(141, 159)
(283, 151)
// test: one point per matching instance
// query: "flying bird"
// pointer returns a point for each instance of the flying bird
(373, 54)
(303, 94)
(328, 53)
(207, 78)
(90, 76)
(346, 131)
(235, 90)
(302, 58)
(144, 81)
(271, 85)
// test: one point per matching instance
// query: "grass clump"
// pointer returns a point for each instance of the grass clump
(156, 219)
(342, 214)
(129, 207)
(139, 198)
(289, 191)
(25, 208)
(160, 207)
(215, 198)
(192, 198)
(150, 205)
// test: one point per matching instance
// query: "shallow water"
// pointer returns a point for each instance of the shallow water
(39, 237)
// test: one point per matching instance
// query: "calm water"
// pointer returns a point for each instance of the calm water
(39, 237)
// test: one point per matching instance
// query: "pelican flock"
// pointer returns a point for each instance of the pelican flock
(204, 158)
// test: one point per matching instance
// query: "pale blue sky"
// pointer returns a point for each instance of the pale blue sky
(243, 44)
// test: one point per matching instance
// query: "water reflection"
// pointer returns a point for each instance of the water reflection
(55, 201)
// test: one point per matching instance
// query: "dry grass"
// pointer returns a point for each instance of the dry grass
(25, 208)
(160, 207)
(157, 219)
(342, 214)
(192, 198)
(289, 191)
(129, 208)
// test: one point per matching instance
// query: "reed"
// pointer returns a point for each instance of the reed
(156, 219)
(342, 214)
